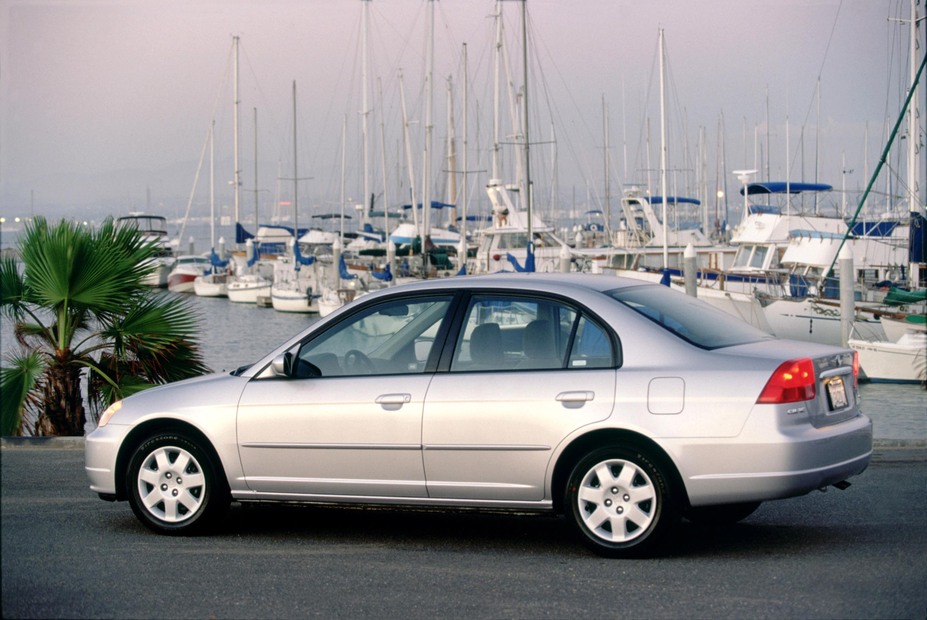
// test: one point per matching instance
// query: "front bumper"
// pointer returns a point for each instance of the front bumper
(101, 453)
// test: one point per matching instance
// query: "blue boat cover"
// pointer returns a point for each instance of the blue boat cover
(343, 270)
(767, 209)
(880, 228)
(781, 187)
(658, 200)
(434, 205)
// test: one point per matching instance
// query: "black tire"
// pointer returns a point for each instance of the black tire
(621, 502)
(174, 487)
(723, 514)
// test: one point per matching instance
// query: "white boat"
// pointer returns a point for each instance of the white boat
(902, 361)
(245, 289)
(186, 269)
(252, 276)
(211, 285)
(896, 327)
(503, 245)
(153, 229)
(817, 320)
(295, 287)
(643, 242)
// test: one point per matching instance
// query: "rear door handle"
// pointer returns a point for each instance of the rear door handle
(575, 400)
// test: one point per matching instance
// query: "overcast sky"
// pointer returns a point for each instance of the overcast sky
(105, 105)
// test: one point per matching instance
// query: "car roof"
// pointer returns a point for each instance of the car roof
(545, 282)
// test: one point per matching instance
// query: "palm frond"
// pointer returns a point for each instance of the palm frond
(18, 381)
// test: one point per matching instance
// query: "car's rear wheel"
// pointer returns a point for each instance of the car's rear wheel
(724, 514)
(621, 502)
(174, 486)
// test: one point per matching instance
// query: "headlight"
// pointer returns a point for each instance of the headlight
(109, 413)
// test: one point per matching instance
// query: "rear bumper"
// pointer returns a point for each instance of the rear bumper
(775, 465)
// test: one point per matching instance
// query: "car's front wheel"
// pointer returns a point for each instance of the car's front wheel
(174, 486)
(621, 502)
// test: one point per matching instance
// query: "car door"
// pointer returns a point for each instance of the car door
(525, 373)
(346, 418)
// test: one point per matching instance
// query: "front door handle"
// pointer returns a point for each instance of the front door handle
(393, 402)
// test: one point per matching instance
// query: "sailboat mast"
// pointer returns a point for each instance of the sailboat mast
(256, 216)
(528, 192)
(497, 59)
(462, 253)
(608, 199)
(344, 138)
(429, 124)
(915, 197)
(236, 182)
(295, 175)
(408, 149)
(365, 114)
(212, 185)
(663, 153)
(389, 246)
(451, 151)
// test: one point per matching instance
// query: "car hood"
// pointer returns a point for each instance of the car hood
(214, 390)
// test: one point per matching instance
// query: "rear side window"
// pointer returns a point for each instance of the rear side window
(521, 333)
(688, 318)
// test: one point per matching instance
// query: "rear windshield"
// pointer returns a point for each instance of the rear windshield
(687, 317)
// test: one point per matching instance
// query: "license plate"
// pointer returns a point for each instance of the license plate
(837, 393)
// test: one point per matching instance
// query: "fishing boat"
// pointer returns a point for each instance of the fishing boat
(153, 229)
(503, 245)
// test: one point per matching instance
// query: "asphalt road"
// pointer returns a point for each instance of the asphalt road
(859, 553)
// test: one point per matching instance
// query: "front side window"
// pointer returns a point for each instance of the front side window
(395, 337)
(520, 333)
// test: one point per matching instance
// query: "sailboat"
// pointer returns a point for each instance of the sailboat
(517, 238)
(213, 282)
(294, 288)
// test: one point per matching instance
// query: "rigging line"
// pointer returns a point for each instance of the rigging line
(798, 147)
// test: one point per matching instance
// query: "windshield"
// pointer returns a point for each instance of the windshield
(687, 317)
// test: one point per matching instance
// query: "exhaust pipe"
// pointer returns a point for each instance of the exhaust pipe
(843, 485)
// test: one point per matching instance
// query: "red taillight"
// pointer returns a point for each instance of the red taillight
(792, 382)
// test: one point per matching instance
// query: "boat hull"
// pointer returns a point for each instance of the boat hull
(893, 362)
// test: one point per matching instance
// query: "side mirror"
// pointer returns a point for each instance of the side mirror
(281, 365)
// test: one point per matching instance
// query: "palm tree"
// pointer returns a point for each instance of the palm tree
(82, 314)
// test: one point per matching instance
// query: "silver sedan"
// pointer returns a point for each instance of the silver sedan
(623, 405)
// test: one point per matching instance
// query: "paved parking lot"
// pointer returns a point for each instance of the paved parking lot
(855, 553)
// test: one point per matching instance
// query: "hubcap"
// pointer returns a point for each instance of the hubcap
(617, 501)
(171, 484)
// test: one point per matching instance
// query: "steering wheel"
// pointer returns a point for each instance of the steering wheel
(355, 362)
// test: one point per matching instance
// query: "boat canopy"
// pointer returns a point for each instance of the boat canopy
(764, 209)
(658, 200)
(242, 235)
(782, 187)
(331, 216)
(435, 204)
